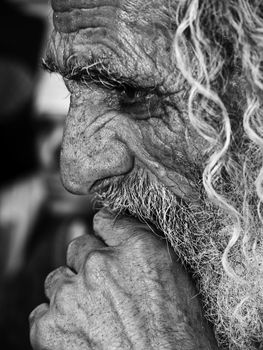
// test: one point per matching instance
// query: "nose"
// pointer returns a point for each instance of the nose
(92, 152)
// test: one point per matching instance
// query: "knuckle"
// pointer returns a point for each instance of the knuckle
(73, 248)
(95, 260)
(56, 279)
(95, 266)
(52, 276)
(64, 300)
(40, 333)
(50, 281)
(102, 220)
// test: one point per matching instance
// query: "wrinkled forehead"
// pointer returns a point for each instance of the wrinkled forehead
(125, 32)
(72, 15)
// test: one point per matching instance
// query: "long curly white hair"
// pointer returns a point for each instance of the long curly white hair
(217, 47)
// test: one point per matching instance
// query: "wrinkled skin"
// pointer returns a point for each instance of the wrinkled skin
(129, 291)
(110, 131)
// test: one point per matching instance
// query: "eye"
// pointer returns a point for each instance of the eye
(139, 103)
(130, 95)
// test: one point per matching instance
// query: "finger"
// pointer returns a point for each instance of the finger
(115, 231)
(34, 319)
(41, 328)
(79, 249)
(37, 313)
(56, 278)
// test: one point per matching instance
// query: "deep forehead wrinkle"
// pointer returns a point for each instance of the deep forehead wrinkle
(125, 5)
(72, 15)
(130, 50)
(67, 5)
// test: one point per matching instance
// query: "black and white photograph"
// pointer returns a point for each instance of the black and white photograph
(131, 176)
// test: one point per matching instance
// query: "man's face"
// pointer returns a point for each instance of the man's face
(128, 107)
(128, 138)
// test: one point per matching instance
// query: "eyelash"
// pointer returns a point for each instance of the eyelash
(142, 103)
(127, 93)
(130, 95)
(101, 79)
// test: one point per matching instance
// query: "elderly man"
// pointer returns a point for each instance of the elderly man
(165, 129)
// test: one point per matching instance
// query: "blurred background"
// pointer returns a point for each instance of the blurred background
(38, 217)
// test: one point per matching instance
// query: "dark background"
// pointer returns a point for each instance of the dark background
(37, 216)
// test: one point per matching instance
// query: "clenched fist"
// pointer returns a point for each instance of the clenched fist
(123, 289)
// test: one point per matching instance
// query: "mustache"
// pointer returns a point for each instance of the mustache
(141, 195)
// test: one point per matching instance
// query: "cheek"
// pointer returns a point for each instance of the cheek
(158, 140)
(168, 142)
(101, 143)
(179, 152)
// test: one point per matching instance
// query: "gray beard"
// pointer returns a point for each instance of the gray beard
(199, 235)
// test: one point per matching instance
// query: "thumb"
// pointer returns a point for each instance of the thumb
(114, 230)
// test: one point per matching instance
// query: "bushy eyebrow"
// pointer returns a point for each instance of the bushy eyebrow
(96, 72)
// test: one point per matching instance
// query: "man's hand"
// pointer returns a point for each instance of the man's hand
(123, 289)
